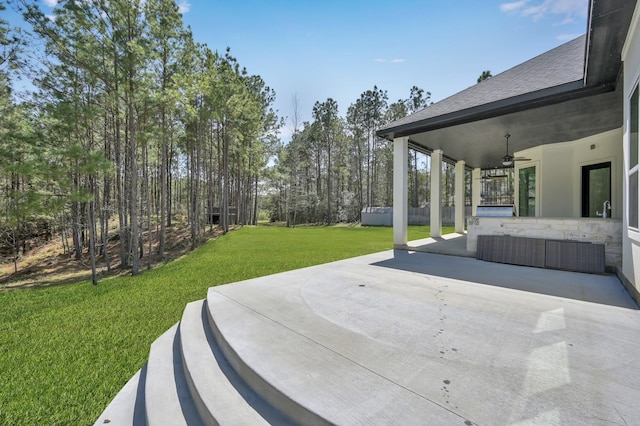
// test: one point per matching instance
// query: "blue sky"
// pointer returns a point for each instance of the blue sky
(339, 49)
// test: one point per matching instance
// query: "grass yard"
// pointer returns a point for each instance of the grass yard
(66, 351)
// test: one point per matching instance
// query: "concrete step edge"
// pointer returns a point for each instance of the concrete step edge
(167, 396)
(219, 394)
(271, 393)
(127, 407)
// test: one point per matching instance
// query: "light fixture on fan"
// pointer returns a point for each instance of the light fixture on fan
(508, 160)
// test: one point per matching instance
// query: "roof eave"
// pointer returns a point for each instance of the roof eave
(607, 26)
(541, 98)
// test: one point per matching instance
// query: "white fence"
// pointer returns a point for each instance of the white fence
(383, 216)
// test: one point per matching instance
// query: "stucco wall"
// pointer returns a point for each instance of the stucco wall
(603, 231)
(559, 169)
(630, 238)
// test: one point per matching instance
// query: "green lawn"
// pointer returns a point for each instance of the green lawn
(66, 351)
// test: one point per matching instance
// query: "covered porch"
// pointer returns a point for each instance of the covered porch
(555, 122)
(550, 178)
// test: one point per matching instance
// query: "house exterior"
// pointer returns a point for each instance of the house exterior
(630, 230)
(570, 118)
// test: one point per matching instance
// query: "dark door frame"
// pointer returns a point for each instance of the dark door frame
(585, 184)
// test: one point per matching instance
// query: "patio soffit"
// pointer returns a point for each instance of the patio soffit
(608, 24)
(481, 143)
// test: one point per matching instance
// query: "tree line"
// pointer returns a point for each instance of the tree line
(131, 122)
(132, 125)
(334, 166)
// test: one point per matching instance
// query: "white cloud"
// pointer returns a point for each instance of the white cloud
(536, 12)
(52, 18)
(184, 7)
(51, 3)
(568, 20)
(567, 9)
(510, 7)
(393, 61)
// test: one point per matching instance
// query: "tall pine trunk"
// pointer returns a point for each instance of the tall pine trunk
(224, 210)
(92, 233)
(133, 163)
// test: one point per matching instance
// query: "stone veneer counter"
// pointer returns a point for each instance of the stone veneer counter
(593, 230)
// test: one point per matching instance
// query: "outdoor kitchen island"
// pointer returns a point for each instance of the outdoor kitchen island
(557, 243)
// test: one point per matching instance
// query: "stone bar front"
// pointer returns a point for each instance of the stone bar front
(593, 230)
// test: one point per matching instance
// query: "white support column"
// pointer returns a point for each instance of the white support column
(476, 190)
(459, 197)
(400, 190)
(436, 193)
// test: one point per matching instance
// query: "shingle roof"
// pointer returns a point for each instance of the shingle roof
(555, 68)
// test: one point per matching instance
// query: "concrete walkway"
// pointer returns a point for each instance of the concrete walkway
(405, 337)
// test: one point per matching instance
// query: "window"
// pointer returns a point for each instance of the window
(633, 199)
(633, 161)
(596, 189)
(527, 191)
(633, 139)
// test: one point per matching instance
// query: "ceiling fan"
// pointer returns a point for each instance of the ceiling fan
(508, 159)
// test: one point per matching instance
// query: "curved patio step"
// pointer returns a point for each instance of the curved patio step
(127, 408)
(308, 381)
(219, 394)
(167, 396)
(243, 350)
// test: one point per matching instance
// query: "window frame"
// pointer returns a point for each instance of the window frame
(523, 167)
(635, 169)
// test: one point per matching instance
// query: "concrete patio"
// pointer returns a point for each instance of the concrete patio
(400, 337)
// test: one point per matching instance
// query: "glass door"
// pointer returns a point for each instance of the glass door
(527, 191)
(596, 189)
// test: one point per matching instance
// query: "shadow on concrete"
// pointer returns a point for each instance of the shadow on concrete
(602, 289)
(139, 415)
(253, 398)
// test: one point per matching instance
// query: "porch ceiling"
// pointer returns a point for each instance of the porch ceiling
(481, 143)
(608, 25)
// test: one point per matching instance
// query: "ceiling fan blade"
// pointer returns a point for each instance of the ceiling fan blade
(508, 159)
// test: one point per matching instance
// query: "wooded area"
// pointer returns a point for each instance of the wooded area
(333, 167)
(127, 124)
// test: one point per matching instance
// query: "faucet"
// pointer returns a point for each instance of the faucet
(605, 206)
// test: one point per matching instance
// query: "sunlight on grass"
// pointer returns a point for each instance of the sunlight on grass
(67, 350)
